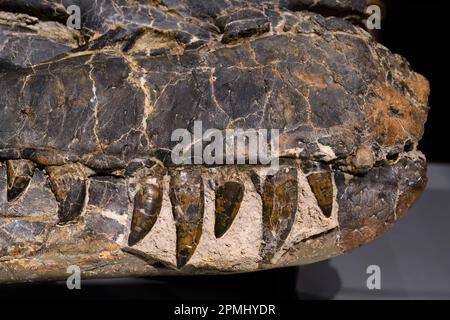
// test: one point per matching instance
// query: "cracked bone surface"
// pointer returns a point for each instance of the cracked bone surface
(86, 118)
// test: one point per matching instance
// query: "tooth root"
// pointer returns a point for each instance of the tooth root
(280, 197)
(228, 201)
(19, 174)
(69, 184)
(322, 186)
(147, 206)
(188, 203)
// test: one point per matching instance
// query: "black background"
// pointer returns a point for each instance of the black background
(419, 30)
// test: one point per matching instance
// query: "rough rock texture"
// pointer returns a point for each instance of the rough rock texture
(86, 118)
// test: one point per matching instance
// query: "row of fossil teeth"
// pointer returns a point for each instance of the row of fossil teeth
(279, 194)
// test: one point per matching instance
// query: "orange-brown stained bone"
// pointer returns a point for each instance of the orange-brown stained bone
(188, 204)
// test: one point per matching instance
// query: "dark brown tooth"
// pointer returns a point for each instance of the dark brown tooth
(322, 186)
(228, 201)
(69, 184)
(280, 197)
(19, 174)
(188, 204)
(147, 206)
(257, 181)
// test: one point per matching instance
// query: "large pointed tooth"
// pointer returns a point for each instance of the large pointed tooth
(147, 206)
(228, 201)
(280, 196)
(69, 184)
(322, 186)
(19, 174)
(188, 203)
(188, 237)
